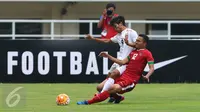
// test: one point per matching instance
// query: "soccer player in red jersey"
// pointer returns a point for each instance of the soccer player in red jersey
(137, 61)
(107, 30)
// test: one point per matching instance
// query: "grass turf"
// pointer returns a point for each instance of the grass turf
(144, 98)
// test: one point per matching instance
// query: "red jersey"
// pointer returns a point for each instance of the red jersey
(108, 31)
(138, 59)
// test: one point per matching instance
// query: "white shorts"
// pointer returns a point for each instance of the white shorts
(114, 66)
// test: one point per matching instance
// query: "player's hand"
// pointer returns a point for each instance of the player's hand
(126, 39)
(104, 12)
(103, 54)
(145, 78)
(88, 36)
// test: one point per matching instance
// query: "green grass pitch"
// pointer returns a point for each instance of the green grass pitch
(144, 98)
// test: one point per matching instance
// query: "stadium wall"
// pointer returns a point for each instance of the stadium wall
(77, 61)
(132, 11)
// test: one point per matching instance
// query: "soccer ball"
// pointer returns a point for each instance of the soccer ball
(62, 99)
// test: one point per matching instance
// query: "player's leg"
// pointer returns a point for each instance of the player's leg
(101, 96)
(114, 74)
(120, 85)
(118, 97)
(126, 86)
(113, 97)
(115, 88)
(100, 86)
(110, 81)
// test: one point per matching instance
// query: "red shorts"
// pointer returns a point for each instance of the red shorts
(126, 84)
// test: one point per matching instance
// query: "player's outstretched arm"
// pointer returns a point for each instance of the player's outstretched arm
(151, 70)
(97, 39)
(120, 62)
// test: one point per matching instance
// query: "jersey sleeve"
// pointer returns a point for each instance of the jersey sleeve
(129, 57)
(132, 36)
(114, 39)
(149, 58)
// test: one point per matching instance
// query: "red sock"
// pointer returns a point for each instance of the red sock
(100, 97)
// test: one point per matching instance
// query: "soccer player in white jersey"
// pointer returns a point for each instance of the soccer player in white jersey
(124, 34)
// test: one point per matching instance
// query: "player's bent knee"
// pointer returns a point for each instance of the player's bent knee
(116, 88)
(99, 87)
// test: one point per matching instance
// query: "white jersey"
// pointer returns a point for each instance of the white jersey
(125, 50)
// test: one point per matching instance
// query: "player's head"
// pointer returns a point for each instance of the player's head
(142, 41)
(118, 23)
(110, 7)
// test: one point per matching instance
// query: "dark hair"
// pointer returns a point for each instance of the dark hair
(117, 20)
(110, 5)
(145, 37)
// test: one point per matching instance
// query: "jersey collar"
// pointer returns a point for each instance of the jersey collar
(123, 30)
(140, 49)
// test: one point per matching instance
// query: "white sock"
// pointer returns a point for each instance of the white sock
(108, 84)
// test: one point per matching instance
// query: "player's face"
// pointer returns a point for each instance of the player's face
(140, 43)
(118, 27)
